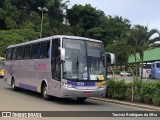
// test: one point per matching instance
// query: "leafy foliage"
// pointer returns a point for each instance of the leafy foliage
(85, 21)
(145, 92)
(116, 89)
(140, 40)
(21, 15)
(8, 37)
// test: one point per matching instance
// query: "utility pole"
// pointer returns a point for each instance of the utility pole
(42, 10)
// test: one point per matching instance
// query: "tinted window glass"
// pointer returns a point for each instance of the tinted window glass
(35, 50)
(55, 60)
(158, 65)
(20, 52)
(14, 53)
(44, 51)
(27, 51)
(8, 54)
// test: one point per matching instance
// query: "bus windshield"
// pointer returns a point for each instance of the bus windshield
(84, 60)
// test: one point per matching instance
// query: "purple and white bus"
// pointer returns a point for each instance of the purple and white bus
(61, 66)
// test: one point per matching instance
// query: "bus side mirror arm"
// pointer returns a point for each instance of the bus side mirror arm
(62, 54)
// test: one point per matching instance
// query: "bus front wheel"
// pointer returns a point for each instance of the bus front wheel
(45, 96)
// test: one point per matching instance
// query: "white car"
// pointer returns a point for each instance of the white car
(124, 73)
(108, 76)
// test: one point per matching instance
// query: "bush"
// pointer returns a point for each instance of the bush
(146, 92)
(156, 96)
(110, 88)
(156, 99)
(120, 90)
(116, 89)
(137, 84)
(129, 91)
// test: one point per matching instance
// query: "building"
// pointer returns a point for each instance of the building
(150, 55)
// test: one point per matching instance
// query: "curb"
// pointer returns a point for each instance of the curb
(144, 106)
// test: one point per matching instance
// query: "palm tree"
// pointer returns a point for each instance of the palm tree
(134, 44)
(142, 39)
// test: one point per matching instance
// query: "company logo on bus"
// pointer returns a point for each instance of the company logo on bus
(41, 67)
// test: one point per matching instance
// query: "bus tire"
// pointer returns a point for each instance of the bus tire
(150, 76)
(14, 88)
(81, 99)
(44, 92)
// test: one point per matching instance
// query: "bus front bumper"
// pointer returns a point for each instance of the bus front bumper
(66, 92)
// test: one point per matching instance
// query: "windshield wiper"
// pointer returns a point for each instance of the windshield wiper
(77, 67)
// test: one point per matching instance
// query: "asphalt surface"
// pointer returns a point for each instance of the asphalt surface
(23, 100)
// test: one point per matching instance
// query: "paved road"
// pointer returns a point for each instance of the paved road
(23, 100)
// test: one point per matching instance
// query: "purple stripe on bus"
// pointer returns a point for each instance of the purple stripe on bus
(28, 87)
(81, 83)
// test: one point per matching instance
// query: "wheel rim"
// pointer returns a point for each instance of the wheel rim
(45, 92)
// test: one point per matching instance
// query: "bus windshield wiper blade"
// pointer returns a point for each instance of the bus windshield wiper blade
(77, 67)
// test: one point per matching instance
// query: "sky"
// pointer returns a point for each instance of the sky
(142, 12)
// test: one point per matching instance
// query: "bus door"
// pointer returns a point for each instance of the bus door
(56, 66)
(10, 66)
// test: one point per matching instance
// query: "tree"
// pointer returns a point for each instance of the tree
(118, 33)
(15, 36)
(115, 27)
(141, 39)
(84, 17)
(88, 22)
(134, 43)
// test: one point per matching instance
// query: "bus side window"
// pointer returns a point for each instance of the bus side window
(8, 54)
(35, 49)
(27, 51)
(20, 52)
(158, 65)
(56, 71)
(14, 54)
(44, 49)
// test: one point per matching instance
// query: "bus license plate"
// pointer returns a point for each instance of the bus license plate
(87, 93)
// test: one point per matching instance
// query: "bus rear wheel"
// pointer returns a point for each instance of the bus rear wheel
(81, 99)
(150, 76)
(45, 96)
(13, 85)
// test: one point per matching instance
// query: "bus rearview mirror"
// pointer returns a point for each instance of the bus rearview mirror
(110, 58)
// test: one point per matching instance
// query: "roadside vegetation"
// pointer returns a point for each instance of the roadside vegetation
(136, 91)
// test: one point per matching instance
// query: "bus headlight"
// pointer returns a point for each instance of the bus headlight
(67, 85)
